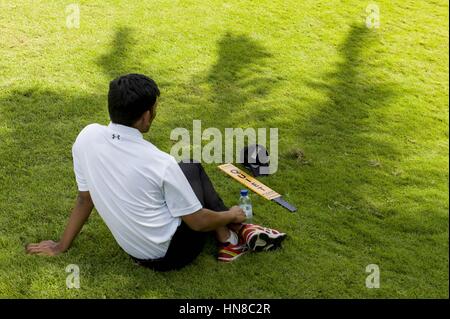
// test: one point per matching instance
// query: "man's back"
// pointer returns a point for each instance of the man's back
(138, 190)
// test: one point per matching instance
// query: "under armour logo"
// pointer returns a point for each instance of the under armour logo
(116, 136)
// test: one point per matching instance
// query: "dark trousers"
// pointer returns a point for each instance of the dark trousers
(186, 244)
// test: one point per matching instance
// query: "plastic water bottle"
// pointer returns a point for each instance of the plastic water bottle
(246, 204)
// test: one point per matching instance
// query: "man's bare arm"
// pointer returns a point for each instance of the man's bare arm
(78, 217)
(206, 220)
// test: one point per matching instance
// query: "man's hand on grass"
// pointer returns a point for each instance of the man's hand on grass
(45, 248)
(80, 213)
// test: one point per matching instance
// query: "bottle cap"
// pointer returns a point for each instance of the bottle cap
(244, 192)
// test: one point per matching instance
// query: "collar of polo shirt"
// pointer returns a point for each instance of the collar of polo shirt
(125, 130)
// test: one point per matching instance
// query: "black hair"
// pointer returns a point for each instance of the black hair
(129, 97)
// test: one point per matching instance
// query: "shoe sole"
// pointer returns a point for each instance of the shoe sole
(266, 242)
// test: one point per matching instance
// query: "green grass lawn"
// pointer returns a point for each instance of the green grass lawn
(363, 139)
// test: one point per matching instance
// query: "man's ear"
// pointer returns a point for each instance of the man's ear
(145, 116)
(153, 110)
(143, 119)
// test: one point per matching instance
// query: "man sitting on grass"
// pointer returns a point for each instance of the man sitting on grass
(158, 211)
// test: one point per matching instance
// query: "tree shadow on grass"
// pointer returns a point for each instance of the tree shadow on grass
(233, 88)
(342, 137)
(352, 181)
(119, 60)
(240, 76)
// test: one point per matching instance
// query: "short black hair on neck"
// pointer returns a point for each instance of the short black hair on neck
(130, 96)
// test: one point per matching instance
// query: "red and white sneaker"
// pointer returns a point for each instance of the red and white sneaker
(229, 252)
(260, 238)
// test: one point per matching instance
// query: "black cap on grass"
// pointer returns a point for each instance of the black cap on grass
(255, 158)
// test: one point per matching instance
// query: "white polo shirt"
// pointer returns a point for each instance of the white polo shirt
(139, 191)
